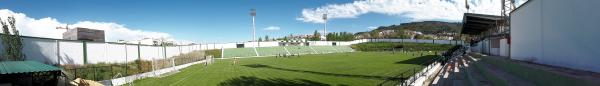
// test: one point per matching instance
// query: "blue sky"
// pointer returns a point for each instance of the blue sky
(229, 20)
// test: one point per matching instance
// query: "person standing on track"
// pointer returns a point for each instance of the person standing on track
(235, 60)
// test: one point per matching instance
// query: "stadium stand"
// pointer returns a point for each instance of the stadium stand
(270, 51)
(299, 49)
(238, 52)
(324, 49)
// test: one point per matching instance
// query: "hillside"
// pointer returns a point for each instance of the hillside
(399, 31)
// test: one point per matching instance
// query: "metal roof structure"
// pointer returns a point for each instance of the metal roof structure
(14, 67)
(474, 24)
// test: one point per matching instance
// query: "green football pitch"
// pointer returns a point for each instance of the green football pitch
(355, 69)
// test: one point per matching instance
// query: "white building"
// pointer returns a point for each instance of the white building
(561, 33)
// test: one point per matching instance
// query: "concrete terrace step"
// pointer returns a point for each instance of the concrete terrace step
(453, 74)
(507, 78)
(461, 71)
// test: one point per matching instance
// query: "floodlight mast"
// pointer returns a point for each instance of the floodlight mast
(325, 27)
(253, 14)
(507, 7)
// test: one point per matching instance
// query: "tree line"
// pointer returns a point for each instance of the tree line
(11, 42)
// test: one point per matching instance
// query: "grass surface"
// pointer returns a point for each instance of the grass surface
(356, 69)
(494, 80)
(534, 75)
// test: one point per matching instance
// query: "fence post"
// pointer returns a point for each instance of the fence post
(153, 65)
(139, 61)
(95, 73)
(164, 51)
(180, 52)
(126, 69)
(84, 52)
(112, 72)
(75, 73)
(173, 64)
(58, 52)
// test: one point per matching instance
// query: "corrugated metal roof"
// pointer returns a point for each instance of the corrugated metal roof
(11, 67)
(474, 24)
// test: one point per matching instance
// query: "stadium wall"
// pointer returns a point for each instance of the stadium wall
(557, 32)
(268, 44)
(57, 51)
(320, 43)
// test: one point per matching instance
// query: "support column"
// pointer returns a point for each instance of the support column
(84, 52)
(139, 52)
(58, 52)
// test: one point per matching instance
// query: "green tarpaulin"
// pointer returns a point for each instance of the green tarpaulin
(12, 67)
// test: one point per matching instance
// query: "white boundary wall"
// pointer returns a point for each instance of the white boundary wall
(268, 44)
(557, 32)
(55, 51)
(70, 52)
(39, 48)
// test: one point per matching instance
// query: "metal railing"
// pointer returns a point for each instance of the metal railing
(417, 72)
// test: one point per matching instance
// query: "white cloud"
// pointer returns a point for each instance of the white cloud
(272, 28)
(372, 27)
(115, 31)
(46, 28)
(416, 10)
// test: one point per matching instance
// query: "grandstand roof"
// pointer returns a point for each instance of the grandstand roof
(474, 24)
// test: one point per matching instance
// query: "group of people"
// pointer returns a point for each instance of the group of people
(286, 55)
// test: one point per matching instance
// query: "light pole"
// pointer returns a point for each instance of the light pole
(325, 28)
(253, 14)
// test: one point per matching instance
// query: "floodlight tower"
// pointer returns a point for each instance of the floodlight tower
(325, 27)
(507, 7)
(253, 14)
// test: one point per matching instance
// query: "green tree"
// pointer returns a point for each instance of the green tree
(340, 36)
(260, 39)
(329, 36)
(12, 43)
(267, 38)
(316, 36)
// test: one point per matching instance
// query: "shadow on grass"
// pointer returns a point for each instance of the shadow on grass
(254, 81)
(323, 73)
(418, 60)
